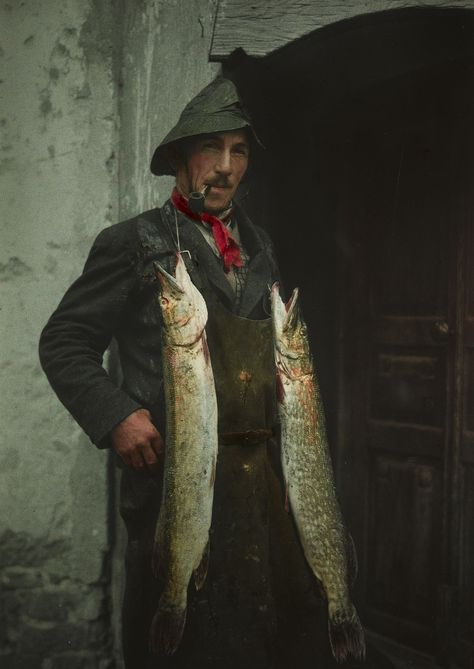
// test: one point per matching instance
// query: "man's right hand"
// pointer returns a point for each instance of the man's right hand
(138, 442)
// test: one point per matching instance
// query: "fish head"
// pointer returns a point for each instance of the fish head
(292, 353)
(183, 307)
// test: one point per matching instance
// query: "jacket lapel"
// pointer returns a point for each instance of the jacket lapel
(192, 240)
(259, 274)
(259, 271)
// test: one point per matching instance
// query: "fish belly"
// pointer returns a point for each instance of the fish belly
(182, 532)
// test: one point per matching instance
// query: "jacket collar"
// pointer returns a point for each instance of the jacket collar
(192, 240)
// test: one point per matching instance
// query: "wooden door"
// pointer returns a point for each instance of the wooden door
(405, 193)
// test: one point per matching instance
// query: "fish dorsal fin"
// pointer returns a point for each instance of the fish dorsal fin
(352, 562)
(200, 572)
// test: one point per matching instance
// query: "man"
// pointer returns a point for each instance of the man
(257, 606)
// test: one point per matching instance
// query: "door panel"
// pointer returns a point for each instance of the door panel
(407, 385)
(464, 509)
(407, 371)
(409, 489)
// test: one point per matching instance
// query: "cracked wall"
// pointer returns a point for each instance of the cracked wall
(165, 63)
(58, 178)
(91, 86)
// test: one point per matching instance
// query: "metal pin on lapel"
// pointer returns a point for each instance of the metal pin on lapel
(178, 242)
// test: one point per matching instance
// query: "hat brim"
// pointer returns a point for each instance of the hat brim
(160, 164)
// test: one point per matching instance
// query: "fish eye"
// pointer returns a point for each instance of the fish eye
(164, 301)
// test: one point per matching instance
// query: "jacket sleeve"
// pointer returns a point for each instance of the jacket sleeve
(76, 336)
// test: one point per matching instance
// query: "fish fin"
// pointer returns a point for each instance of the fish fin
(287, 499)
(352, 562)
(212, 480)
(157, 563)
(158, 556)
(321, 590)
(347, 638)
(205, 348)
(200, 572)
(166, 631)
(280, 389)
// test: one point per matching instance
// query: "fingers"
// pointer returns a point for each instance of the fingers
(137, 461)
(150, 459)
(138, 442)
(141, 457)
(157, 444)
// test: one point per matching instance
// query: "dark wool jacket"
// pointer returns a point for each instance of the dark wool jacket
(115, 298)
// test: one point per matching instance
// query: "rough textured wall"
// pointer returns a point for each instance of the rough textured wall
(58, 182)
(165, 63)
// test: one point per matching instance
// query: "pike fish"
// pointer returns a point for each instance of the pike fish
(181, 545)
(308, 475)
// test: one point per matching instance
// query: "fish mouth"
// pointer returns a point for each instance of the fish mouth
(174, 285)
(285, 317)
(292, 309)
(167, 281)
(285, 314)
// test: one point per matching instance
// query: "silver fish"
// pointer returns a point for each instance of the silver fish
(181, 544)
(309, 476)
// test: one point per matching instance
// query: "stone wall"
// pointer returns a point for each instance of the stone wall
(66, 93)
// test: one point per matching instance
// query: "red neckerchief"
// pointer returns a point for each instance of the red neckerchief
(226, 244)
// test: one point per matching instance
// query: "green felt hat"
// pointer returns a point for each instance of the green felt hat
(217, 108)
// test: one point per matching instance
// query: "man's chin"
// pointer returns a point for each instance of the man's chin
(216, 208)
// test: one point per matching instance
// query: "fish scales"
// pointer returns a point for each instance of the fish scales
(182, 532)
(308, 474)
(314, 505)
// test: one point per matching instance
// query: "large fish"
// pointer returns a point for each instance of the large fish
(309, 477)
(181, 545)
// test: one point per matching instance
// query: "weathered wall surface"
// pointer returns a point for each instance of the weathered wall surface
(166, 50)
(60, 150)
(58, 182)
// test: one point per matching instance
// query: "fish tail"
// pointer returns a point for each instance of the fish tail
(166, 631)
(200, 572)
(346, 636)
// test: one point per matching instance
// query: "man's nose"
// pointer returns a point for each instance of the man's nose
(223, 165)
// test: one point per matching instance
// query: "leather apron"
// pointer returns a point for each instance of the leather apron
(258, 607)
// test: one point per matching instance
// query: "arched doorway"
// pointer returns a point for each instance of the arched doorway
(368, 193)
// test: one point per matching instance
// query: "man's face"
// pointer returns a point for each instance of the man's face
(218, 160)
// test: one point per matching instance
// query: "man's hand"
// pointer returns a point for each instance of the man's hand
(138, 442)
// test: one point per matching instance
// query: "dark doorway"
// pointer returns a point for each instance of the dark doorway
(371, 206)
(404, 221)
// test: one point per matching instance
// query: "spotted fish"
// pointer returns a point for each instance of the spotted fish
(309, 477)
(181, 543)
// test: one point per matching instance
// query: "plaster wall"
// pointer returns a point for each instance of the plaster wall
(58, 183)
(88, 88)
(165, 63)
